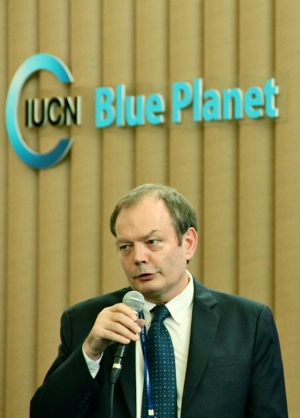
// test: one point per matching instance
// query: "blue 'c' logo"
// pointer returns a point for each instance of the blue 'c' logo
(28, 156)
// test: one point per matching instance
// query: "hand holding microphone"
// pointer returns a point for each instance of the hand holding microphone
(117, 323)
(135, 300)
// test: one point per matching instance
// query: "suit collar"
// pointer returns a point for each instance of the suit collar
(203, 330)
(203, 294)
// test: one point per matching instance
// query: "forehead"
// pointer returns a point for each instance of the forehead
(146, 215)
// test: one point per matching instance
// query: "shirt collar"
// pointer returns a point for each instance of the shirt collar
(177, 306)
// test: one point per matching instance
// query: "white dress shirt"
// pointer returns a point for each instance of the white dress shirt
(179, 327)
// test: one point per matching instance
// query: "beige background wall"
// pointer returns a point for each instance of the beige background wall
(243, 178)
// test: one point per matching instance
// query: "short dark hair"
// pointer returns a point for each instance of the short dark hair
(182, 213)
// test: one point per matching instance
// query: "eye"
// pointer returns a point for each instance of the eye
(124, 247)
(153, 241)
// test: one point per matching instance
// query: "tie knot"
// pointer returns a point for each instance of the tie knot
(161, 312)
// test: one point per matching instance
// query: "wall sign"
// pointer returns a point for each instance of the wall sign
(114, 107)
(31, 65)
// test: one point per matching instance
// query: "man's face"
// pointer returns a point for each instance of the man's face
(153, 260)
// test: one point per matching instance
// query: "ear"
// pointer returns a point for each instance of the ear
(190, 240)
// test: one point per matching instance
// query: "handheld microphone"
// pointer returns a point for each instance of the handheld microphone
(135, 300)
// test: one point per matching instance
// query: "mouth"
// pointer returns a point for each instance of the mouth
(146, 276)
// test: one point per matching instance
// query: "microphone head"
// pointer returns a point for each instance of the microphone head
(135, 300)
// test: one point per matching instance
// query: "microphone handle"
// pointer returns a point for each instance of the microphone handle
(117, 366)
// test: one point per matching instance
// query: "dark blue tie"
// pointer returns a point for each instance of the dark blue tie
(161, 365)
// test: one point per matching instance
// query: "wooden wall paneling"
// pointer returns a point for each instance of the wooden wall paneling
(151, 62)
(56, 247)
(21, 231)
(3, 199)
(256, 147)
(220, 150)
(117, 143)
(53, 216)
(287, 199)
(86, 166)
(185, 139)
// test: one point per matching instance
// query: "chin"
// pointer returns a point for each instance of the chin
(152, 294)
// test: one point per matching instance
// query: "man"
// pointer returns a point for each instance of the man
(227, 354)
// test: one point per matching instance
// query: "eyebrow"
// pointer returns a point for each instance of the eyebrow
(144, 237)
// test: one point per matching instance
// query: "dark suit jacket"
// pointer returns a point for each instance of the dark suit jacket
(234, 367)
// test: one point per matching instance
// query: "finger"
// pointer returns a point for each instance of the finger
(121, 334)
(126, 310)
(126, 321)
(141, 322)
(124, 325)
(116, 326)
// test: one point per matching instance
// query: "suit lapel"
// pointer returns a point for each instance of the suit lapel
(203, 330)
(127, 379)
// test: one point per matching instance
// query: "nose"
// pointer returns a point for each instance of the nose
(140, 254)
